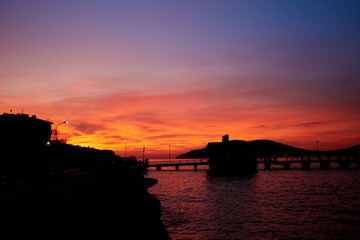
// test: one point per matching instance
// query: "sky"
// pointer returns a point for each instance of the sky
(184, 73)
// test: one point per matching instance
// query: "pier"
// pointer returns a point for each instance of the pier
(344, 162)
(177, 163)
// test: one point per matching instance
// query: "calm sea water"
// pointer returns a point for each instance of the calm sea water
(277, 204)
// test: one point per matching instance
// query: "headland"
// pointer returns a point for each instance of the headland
(50, 188)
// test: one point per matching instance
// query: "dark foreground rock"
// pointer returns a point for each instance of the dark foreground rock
(83, 204)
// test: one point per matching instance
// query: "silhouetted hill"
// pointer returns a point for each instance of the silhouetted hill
(354, 150)
(200, 153)
(270, 148)
(265, 148)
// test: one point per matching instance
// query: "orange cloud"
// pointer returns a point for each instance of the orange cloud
(187, 120)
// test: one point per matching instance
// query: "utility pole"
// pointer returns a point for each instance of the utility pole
(125, 149)
(317, 147)
(144, 154)
(169, 154)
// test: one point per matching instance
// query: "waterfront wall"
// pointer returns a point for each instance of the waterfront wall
(80, 192)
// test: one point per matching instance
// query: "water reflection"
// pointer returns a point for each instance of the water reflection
(228, 205)
(269, 204)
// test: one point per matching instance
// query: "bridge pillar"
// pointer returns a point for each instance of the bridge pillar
(325, 163)
(195, 167)
(344, 163)
(158, 168)
(267, 163)
(287, 165)
(177, 167)
(305, 164)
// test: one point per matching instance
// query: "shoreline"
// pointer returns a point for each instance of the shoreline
(85, 203)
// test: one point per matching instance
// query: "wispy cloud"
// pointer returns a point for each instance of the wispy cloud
(158, 78)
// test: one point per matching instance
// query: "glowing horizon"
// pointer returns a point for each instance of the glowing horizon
(184, 73)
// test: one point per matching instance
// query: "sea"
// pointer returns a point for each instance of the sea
(270, 204)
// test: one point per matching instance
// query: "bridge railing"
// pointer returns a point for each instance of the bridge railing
(260, 160)
(306, 158)
(174, 162)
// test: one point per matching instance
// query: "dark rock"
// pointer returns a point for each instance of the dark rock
(86, 204)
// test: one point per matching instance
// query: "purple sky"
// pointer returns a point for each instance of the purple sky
(183, 73)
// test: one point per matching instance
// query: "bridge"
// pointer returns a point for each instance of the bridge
(306, 161)
(177, 163)
(324, 161)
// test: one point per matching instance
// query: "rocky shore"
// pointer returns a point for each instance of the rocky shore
(62, 190)
(113, 203)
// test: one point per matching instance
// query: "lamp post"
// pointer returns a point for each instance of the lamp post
(144, 154)
(317, 150)
(169, 154)
(317, 146)
(57, 127)
(125, 149)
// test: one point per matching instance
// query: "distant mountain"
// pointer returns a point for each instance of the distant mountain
(354, 150)
(269, 148)
(200, 153)
(265, 148)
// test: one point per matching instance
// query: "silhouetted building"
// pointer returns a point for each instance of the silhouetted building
(231, 157)
(21, 130)
(225, 138)
(23, 142)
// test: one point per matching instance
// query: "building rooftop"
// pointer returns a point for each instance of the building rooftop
(21, 116)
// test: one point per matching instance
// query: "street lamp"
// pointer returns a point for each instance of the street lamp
(169, 154)
(125, 149)
(57, 127)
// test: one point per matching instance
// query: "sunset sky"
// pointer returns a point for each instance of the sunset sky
(184, 73)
